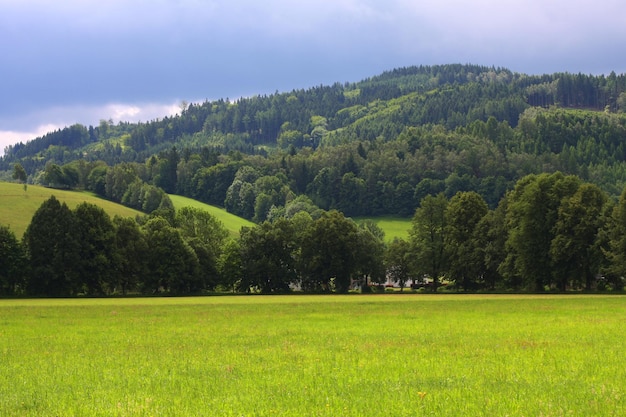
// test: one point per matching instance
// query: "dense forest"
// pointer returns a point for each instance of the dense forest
(393, 144)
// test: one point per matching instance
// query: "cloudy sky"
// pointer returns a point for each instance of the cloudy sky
(80, 61)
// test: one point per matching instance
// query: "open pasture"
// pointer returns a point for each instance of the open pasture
(353, 355)
(231, 222)
(392, 226)
(17, 206)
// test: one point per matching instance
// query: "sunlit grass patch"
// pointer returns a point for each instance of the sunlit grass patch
(392, 226)
(17, 206)
(231, 222)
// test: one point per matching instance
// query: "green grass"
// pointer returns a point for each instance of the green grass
(392, 355)
(393, 226)
(17, 206)
(231, 222)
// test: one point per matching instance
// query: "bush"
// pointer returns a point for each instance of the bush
(378, 288)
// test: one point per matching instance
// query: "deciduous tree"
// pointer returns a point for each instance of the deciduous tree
(428, 237)
(465, 211)
(532, 214)
(575, 251)
(399, 262)
(268, 257)
(329, 253)
(206, 235)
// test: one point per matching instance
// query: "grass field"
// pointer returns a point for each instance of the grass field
(393, 226)
(231, 222)
(377, 355)
(17, 206)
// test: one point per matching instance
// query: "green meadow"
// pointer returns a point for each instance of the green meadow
(353, 355)
(392, 226)
(231, 222)
(17, 206)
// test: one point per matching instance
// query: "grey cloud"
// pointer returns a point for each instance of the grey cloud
(88, 52)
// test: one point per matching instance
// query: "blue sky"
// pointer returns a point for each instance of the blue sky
(79, 61)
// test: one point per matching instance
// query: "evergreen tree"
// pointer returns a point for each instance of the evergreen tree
(13, 265)
(172, 263)
(53, 248)
(131, 256)
(96, 237)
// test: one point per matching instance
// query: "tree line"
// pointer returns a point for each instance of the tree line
(551, 232)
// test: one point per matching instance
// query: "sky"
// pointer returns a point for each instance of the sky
(82, 61)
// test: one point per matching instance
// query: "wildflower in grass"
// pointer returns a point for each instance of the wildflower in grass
(421, 394)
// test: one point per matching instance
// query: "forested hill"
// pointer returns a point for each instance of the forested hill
(372, 147)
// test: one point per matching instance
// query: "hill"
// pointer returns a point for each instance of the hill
(231, 222)
(17, 206)
(370, 148)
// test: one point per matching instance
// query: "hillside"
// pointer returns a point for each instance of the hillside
(511, 181)
(17, 206)
(231, 222)
(371, 148)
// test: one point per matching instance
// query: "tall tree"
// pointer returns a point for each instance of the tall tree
(329, 253)
(12, 263)
(19, 174)
(167, 174)
(370, 253)
(268, 256)
(96, 235)
(172, 263)
(399, 262)
(490, 235)
(575, 251)
(206, 235)
(465, 211)
(532, 214)
(230, 265)
(130, 262)
(53, 250)
(615, 229)
(428, 237)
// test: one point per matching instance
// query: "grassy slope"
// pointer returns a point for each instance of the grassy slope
(231, 222)
(395, 355)
(393, 226)
(18, 207)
